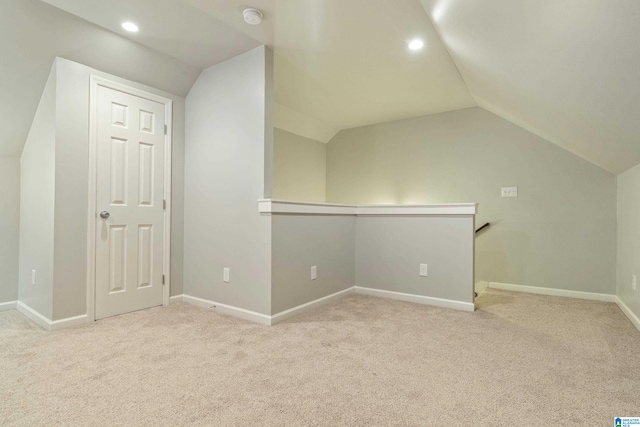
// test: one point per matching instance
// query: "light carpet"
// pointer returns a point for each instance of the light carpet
(520, 359)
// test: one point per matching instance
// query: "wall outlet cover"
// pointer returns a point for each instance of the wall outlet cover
(424, 270)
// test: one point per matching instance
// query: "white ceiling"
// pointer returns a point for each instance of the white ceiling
(346, 63)
(566, 70)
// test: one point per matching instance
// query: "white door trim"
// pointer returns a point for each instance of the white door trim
(91, 212)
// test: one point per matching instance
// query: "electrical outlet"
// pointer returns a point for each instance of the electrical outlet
(33, 277)
(424, 270)
(633, 281)
(225, 275)
(314, 272)
(509, 192)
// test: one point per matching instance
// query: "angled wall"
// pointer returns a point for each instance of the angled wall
(629, 239)
(37, 204)
(9, 227)
(227, 169)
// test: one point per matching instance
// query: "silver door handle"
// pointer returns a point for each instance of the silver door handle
(104, 214)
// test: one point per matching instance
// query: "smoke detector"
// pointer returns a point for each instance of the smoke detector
(252, 16)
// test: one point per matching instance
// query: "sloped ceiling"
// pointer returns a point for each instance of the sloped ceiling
(343, 63)
(167, 26)
(566, 70)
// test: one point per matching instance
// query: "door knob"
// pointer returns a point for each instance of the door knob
(104, 214)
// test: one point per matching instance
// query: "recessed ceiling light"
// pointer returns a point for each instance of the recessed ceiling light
(130, 26)
(416, 44)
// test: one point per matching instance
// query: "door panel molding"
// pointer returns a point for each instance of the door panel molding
(149, 123)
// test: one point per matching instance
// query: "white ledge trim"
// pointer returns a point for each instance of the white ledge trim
(272, 206)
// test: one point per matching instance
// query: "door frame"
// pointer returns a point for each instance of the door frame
(95, 83)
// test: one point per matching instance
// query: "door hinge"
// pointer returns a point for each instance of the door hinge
(165, 129)
(164, 204)
(163, 279)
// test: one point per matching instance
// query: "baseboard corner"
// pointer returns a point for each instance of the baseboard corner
(481, 286)
(176, 299)
(635, 320)
(9, 305)
(288, 314)
(592, 296)
(419, 299)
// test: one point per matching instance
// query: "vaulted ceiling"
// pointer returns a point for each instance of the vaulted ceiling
(567, 70)
(564, 69)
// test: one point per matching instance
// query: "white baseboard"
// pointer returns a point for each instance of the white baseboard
(287, 314)
(48, 324)
(69, 322)
(420, 299)
(34, 316)
(553, 292)
(627, 312)
(176, 299)
(6, 306)
(481, 286)
(253, 316)
(260, 318)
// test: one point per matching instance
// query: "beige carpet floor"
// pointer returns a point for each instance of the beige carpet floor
(521, 359)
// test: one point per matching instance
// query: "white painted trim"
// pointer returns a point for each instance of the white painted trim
(176, 299)
(272, 206)
(10, 305)
(260, 318)
(34, 316)
(287, 314)
(627, 312)
(420, 299)
(253, 316)
(451, 209)
(69, 322)
(48, 324)
(95, 82)
(278, 206)
(481, 286)
(553, 292)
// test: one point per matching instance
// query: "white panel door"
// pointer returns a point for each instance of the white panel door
(129, 203)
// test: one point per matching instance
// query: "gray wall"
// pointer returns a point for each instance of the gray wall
(299, 167)
(9, 227)
(227, 134)
(302, 241)
(37, 195)
(390, 249)
(629, 238)
(560, 232)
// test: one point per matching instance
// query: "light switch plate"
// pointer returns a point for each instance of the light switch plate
(314, 272)
(633, 281)
(509, 192)
(226, 275)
